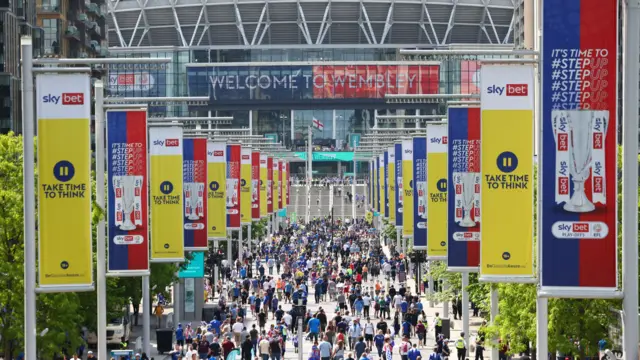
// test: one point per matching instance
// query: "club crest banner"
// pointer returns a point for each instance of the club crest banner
(436, 198)
(217, 184)
(506, 252)
(419, 193)
(399, 189)
(264, 211)
(194, 159)
(270, 184)
(167, 227)
(234, 154)
(391, 184)
(408, 187)
(245, 186)
(63, 102)
(255, 185)
(463, 189)
(579, 174)
(127, 214)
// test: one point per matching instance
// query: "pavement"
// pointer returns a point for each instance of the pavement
(321, 198)
(329, 308)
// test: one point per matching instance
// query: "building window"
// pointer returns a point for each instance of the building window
(51, 36)
(50, 5)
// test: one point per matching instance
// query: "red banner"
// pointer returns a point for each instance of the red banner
(288, 180)
(270, 184)
(234, 153)
(374, 81)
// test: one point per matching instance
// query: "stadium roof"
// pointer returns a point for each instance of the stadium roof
(224, 23)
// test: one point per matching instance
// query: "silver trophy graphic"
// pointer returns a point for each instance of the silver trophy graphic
(581, 149)
(128, 185)
(193, 201)
(467, 199)
(230, 192)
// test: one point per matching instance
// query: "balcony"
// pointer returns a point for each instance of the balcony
(93, 8)
(72, 32)
(49, 9)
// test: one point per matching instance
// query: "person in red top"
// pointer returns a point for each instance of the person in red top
(358, 278)
(227, 346)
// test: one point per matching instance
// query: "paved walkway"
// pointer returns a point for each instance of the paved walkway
(329, 308)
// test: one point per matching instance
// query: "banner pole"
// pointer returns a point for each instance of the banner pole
(146, 315)
(465, 307)
(542, 331)
(101, 246)
(445, 303)
(29, 213)
(240, 245)
(494, 314)
(430, 291)
(249, 237)
(630, 182)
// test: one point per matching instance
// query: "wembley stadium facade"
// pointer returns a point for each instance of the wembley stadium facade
(276, 65)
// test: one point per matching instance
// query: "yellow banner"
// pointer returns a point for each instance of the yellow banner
(263, 185)
(391, 182)
(217, 182)
(167, 220)
(507, 189)
(407, 182)
(436, 192)
(64, 184)
(276, 185)
(245, 186)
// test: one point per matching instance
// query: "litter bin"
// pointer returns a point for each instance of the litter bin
(446, 328)
(164, 337)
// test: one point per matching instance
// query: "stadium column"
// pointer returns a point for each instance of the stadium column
(250, 122)
(334, 123)
(417, 119)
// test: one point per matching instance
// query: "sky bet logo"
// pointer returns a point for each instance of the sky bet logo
(509, 90)
(167, 142)
(439, 140)
(66, 98)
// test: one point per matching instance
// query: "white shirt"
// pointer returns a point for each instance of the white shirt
(237, 327)
(366, 300)
(287, 319)
(368, 329)
(397, 300)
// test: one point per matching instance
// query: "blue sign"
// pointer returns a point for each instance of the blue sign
(309, 86)
(354, 140)
(398, 199)
(419, 193)
(195, 266)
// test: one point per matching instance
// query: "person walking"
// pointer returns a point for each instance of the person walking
(461, 347)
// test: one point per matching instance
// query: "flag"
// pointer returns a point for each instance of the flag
(318, 124)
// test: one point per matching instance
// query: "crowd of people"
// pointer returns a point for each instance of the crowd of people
(266, 300)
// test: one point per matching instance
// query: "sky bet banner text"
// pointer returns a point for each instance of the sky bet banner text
(407, 181)
(167, 224)
(64, 185)
(436, 196)
(463, 189)
(217, 183)
(506, 252)
(419, 193)
(579, 146)
(195, 194)
(128, 224)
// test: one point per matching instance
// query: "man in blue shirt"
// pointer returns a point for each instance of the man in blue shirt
(406, 328)
(414, 353)
(314, 328)
(180, 335)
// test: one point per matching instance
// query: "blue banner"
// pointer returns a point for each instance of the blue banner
(419, 193)
(399, 188)
(386, 184)
(194, 267)
(463, 225)
(376, 161)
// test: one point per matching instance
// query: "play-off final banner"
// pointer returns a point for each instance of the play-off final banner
(506, 105)
(579, 249)
(276, 184)
(63, 102)
(385, 185)
(436, 196)
(408, 187)
(194, 159)
(255, 185)
(419, 193)
(234, 154)
(245, 186)
(270, 184)
(127, 213)
(264, 179)
(166, 177)
(399, 188)
(391, 184)
(217, 184)
(463, 189)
